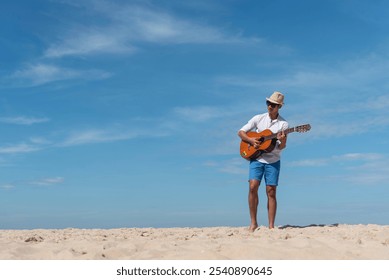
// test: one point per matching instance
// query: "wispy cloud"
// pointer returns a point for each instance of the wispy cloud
(356, 157)
(332, 97)
(309, 162)
(89, 42)
(121, 29)
(371, 113)
(34, 144)
(367, 169)
(82, 137)
(19, 148)
(39, 141)
(22, 120)
(91, 136)
(46, 181)
(231, 166)
(359, 157)
(160, 27)
(370, 173)
(7, 186)
(199, 113)
(41, 73)
(127, 26)
(316, 81)
(50, 181)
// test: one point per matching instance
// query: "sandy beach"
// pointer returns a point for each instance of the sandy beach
(313, 242)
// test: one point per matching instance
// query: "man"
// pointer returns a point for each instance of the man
(267, 165)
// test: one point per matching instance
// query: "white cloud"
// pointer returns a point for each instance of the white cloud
(373, 171)
(120, 29)
(127, 25)
(231, 166)
(359, 157)
(48, 181)
(7, 186)
(309, 162)
(39, 141)
(350, 98)
(96, 136)
(198, 114)
(18, 149)
(22, 120)
(356, 157)
(39, 74)
(345, 82)
(43, 73)
(89, 42)
(362, 169)
(33, 145)
(161, 27)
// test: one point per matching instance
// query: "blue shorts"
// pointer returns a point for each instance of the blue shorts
(271, 172)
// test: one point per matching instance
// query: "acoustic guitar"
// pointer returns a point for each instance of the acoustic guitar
(267, 140)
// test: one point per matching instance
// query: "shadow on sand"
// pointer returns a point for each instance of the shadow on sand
(311, 225)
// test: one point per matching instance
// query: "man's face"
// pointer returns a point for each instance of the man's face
(272, 107)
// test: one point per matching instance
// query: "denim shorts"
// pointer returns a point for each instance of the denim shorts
(271, 172)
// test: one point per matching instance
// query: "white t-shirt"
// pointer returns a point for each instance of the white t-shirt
(261, 122)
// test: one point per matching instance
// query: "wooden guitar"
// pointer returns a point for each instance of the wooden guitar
(267, 140)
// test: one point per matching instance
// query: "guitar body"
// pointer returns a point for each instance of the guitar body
(267, 144)
(267, 140)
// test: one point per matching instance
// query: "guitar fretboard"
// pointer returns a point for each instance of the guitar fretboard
(301, 128)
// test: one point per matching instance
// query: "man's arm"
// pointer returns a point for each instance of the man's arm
(281, 136)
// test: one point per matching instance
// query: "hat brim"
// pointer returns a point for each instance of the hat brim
(273, 101)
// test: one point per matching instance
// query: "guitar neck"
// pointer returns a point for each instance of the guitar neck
(274, 135)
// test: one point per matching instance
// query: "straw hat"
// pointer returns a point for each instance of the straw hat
(276, 98)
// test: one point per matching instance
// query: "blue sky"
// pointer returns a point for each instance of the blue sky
(125, 113)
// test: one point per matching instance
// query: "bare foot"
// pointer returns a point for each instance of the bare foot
(252, 228)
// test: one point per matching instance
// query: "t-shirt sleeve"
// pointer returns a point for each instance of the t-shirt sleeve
(250, 124)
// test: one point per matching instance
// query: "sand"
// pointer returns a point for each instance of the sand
(313, 242)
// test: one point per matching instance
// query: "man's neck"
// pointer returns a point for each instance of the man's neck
(273, 116)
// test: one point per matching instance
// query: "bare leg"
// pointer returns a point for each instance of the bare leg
(253, 203)
(271, 204)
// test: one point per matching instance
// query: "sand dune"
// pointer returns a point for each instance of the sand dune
(326, 242)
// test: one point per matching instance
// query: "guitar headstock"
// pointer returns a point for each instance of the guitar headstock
(303, 128)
